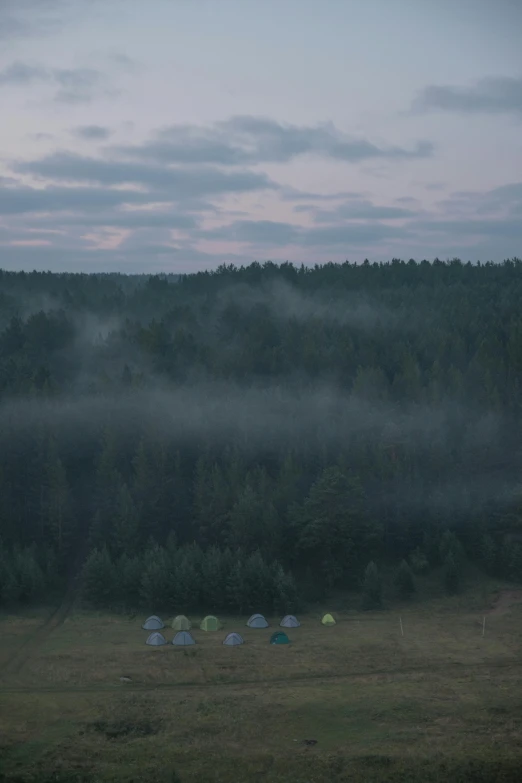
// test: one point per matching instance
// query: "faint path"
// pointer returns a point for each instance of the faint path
(20, 656)
(455, 667)
(503, 601)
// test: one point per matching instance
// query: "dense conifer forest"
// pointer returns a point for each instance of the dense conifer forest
(256, 437)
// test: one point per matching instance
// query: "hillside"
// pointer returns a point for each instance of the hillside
(257, 436)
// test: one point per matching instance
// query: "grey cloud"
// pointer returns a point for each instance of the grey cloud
(75, 85)
(272, 233)
(123, 60)
(25, 18)
(243, 140)
(407, 200)
(506, 200)
(179, 183)
(491, 95)
(79, 85)
(19, 73)
(434, 186)
(353, 234)
(506, 196)
(362, 210)
(42, 136)
(292, 194)
(305, 208)
(256, 231)
(131, 219)
(13, 233)
(502, 229)
(96, 132)
(22, 199)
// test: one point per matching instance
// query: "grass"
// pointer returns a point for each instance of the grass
(441, 703)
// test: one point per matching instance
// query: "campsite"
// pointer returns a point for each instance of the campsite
(90, 694)
(260, 391)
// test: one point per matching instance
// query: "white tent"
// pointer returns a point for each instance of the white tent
(183, 638)
(232, 639)
(289, 621)
(257, 621)
(153, 623)
(156, 639)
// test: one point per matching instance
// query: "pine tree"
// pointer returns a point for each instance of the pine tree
(128, 580)
(515, 562)
(156, 578)
(98, 579)
(9, 587)
(246, 521)
(126, 532)
(236, 587)
(213, 579)
(418, 561)
(188, 582)
(107, 477)
(257, 583)
(332, 525)
(404, 580)
(284, 591)
(58, 501)
(211, 503)
(29, 576)
(144, 490)
(489, 554)
(450, 544)
(451, 574)
(372, 588)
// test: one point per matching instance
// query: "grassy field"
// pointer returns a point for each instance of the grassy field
(441, 703)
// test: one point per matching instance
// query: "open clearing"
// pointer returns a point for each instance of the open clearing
(440, 703)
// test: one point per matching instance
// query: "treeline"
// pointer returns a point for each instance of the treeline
(27, 575)
(319, 419)
(187, 579)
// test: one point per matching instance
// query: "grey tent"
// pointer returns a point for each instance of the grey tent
(156, 639)
(289, 621)
(183, 638)
(257, 621)
(232, 639)
(153, 623)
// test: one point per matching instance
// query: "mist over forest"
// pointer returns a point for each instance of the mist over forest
(254, 437)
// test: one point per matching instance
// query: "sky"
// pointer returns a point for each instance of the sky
(177, 135)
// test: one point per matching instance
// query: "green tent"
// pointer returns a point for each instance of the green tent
(328, 620)
(279, 637)
(181, 623)
(210, 623)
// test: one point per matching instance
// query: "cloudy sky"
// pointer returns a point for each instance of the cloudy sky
(173, 135)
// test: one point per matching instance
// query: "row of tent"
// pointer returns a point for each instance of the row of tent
(211, 623)
(185, 639)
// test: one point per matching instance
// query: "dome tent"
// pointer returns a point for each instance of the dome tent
(257, 621)
(153, 623)
(210, 623)
(156, 639)
(233, 639)
(289, 621)
(183, 639)
(181, 623)
(279, 637)
(328, 620)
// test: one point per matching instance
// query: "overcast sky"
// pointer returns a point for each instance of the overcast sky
(174, 135)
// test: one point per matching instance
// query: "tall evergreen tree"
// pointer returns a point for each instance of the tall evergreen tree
(372, 588)
(404, 580)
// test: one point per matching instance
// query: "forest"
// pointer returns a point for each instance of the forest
(254, 438)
